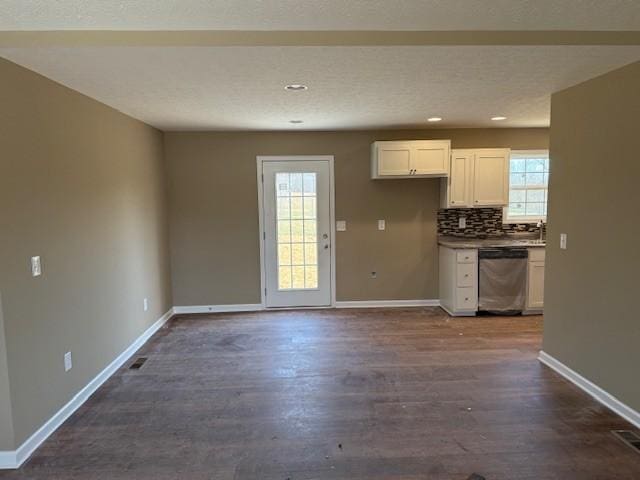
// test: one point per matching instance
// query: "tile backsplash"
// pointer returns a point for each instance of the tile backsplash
(481, 222)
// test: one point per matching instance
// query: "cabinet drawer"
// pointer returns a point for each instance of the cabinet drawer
(536, 254)
(465, 274)
(466, 256)
(466, 298)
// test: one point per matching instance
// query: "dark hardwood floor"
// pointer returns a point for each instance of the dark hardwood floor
(394, 394)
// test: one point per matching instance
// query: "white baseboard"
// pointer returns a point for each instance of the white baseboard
(387, 303)
(15, 458)
(592, 389)
(256, 307)
(8, 460)
(246, 307)
(459, 314)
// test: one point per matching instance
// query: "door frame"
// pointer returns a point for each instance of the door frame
(260, 160)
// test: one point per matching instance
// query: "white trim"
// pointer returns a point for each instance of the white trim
(506, 220)
(469, 313)
(8, 460)
(257, 307)
(387, 303)
(529, 153)
(260, 159)
(246, 307)
(602, 396)
(521, 220)
(14, 459)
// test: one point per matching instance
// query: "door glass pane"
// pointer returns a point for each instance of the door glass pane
(297, 235)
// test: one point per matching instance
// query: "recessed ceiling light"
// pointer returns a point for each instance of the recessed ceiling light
(497, 119)
(434, 119)
(296, 87)
(295, 121)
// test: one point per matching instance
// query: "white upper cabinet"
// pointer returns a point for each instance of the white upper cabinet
(431, 157)
(491, 177)
(479, 178)
(410, 158)
(457, 186)
(394, 158)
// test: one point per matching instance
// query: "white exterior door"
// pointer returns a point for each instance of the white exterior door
(297, 204)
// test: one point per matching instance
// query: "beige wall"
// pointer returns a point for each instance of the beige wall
(214, 212)
(591, 306)
(83, 186)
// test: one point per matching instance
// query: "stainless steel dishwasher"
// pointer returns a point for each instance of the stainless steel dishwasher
(502, 280)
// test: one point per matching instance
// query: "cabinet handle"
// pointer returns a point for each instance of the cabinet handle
(466, 275)
(466, 299)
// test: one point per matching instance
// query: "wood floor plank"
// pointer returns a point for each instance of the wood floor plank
(393, 394)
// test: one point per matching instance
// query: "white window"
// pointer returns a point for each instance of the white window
(528, 186)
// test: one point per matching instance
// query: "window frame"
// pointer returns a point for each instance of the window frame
(506, 219)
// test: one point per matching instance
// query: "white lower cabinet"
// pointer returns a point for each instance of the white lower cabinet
(535, 280)
(459, 280)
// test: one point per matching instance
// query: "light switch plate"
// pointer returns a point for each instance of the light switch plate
(341, 225)
(36, 266)
(68, 362)
(145, 304)
(563, 241)
(381, 225)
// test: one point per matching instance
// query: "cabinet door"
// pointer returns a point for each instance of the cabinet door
(535, 294)
(394, 158)
(430, 158)
(459, 179)
(491, 177)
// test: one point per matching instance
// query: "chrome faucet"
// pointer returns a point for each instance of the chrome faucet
(540, 225)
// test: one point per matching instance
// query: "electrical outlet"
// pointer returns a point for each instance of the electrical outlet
(68, 362)
(563, 241)
(145, 304)
(36, 266)
(381, 225)
(462, 222)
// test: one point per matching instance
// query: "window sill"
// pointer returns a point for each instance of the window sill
(523, 220)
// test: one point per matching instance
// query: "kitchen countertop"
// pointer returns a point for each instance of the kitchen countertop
(460, 242)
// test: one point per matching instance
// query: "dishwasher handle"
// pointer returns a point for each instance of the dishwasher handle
(503, 253)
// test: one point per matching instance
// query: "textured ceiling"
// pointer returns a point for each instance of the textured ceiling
(321, 14)
(230, 88)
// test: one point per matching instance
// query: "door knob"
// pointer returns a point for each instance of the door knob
(324, 235)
